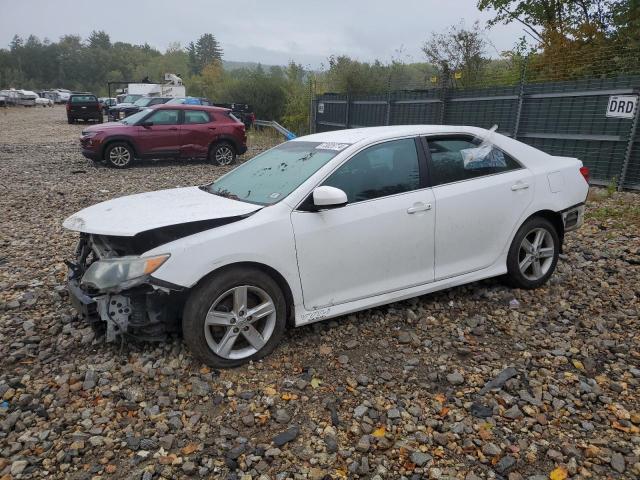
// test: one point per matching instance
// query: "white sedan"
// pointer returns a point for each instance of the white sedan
(319, 227)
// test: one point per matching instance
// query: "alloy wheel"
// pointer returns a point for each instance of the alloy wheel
(119, 156)
(536, 253)
(240, 322)
(224, 155)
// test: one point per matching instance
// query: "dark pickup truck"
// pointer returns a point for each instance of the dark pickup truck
(83, 106)
(242, 111)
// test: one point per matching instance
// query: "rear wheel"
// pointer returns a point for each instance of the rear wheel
(234, 317)
(533, 254)
(118, 155)
(69, 121)
(222, 154)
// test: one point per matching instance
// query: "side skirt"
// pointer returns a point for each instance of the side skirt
(304, 316)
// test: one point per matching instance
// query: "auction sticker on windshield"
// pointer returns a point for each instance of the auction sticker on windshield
(332, 146)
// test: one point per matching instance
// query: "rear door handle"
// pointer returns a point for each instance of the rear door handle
(211, 128)
(519, 186)
(419, 207)
(173, 128)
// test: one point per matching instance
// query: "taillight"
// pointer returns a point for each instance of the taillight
(584, 171)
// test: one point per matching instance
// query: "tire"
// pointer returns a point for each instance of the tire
(222, 154)
(69, 121)
(527, 268)
(118, 155)
(218, 293)
(100, 119)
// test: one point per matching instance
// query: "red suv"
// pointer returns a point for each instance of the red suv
(173, 131)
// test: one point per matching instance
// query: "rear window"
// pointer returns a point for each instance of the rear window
(83, 99)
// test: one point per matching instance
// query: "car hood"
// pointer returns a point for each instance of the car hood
(133, 214)
(104, 126)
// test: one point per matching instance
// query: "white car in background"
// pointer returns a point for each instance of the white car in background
(45, 102)
(319, 227)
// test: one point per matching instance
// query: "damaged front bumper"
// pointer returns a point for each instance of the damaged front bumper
(148, 311)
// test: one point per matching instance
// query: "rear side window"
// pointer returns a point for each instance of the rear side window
(83, 99)
(454, 159)
(195, 116)
(385, 169)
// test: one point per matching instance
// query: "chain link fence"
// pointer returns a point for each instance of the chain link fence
(558, 104)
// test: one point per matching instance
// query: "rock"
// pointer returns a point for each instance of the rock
(362, 380)
(343, 359)
(481, 411)
(404, 337)
(500, 380)
(420, 459)
(455, 378)
(360, 410)
(331, 443)
(188, 467)
(617, 462)
(363, 444)
(505, 464)
(491, 449)
(18, 467)
(200, 388)
(282, 416)
(286, 436)
(393, 413)
(513, 413)
(248, 420)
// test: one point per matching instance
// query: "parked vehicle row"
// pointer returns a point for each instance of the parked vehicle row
(167, 131)
(315, 228)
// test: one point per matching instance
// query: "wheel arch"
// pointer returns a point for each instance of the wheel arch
(225, 139)
(272, 272)
(554, 217)
(112, 140)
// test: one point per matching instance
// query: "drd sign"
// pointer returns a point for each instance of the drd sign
(622, 106)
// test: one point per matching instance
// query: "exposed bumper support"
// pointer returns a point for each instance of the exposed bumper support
(573, 217)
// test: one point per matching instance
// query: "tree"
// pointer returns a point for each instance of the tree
(206, 50)
(458, 54)
(99, 39)
(554, 17)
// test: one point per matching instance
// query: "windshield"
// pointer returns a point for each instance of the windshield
(272, 175)
(136, 117)
(130, 98)
(142, 102)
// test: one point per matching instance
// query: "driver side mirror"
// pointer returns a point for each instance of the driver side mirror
(329, 197)
(146, 124)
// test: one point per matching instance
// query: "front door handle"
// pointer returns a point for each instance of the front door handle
(419, 207)
(211, 128)
(519, 186)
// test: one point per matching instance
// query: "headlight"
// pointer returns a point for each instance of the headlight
(89, 134)
(123, 272)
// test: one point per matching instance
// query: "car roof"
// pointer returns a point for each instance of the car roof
(371, 134)
(181, 106)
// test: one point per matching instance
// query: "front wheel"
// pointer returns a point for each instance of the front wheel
(222, 154)
(119, 155)
(533, 254)
(234, 317)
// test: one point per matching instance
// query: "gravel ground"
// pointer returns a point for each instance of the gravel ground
(474, 382)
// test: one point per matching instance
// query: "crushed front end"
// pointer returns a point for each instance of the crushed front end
(111, 288)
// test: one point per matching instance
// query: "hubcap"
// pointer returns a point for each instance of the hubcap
(224, 156)
(240, 322)
(536, 254)
(119, 156)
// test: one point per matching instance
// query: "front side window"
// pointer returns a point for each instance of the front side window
(385, 169)
(196, 116)
(271, 176)
(164, 117)
(462, 158)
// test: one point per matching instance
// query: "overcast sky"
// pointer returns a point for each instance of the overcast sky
(270, 32)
